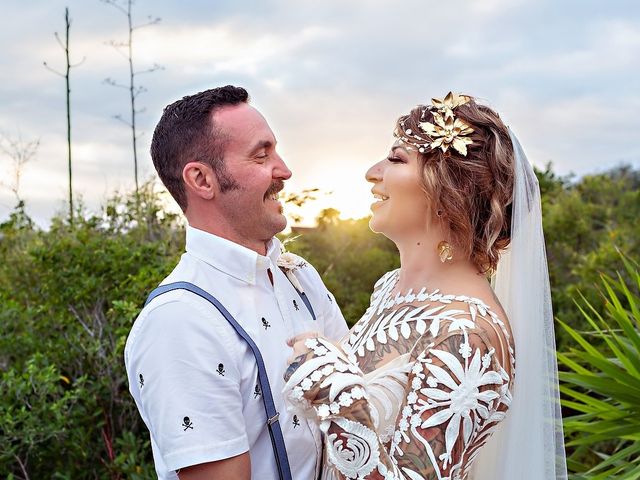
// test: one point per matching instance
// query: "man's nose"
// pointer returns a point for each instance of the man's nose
(281, 170)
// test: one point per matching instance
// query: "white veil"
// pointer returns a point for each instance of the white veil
(529, 443)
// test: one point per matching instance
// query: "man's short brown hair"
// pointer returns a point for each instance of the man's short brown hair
(186, 133)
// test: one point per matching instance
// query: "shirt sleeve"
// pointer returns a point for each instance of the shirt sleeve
(335, 326)
(183, 364)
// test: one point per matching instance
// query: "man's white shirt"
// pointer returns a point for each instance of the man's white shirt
(194, 380)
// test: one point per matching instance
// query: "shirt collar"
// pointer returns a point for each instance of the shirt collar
(229, 257)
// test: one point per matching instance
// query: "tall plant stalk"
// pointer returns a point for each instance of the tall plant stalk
(134, 90)
(67, 75)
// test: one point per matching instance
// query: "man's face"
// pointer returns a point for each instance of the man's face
(251, 160)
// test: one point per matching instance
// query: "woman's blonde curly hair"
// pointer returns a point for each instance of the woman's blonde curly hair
(474, 192)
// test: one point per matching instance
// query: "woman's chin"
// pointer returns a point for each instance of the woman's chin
(376, 225)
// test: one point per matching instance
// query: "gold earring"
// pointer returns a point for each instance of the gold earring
(445, 251)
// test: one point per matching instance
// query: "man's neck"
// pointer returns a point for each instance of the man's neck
(258, 246)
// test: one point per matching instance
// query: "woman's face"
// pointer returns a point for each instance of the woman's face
(401, 208)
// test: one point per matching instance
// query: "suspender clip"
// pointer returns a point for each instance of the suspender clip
(274, 419)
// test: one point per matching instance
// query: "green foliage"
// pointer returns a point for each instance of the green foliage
(584, 224)
(68, 297)
(37, 403)
(601, 385)
(349, 258)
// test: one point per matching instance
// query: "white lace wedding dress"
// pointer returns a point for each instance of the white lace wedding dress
(415, 390)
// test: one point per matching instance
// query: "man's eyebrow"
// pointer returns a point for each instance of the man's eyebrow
(260, 145)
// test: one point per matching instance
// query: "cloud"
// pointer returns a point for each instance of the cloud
(225, 48)
(330, 77)
(608, 45)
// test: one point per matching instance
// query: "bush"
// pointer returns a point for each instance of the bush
(601, 384)
(68, 297)
(37, 404)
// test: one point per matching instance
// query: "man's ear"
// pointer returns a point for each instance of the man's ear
(200, 180)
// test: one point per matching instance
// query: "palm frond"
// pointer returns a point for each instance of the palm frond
(600, 383)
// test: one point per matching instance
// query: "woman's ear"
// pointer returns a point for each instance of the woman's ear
(200, 180)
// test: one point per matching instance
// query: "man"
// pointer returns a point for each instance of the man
(193, 378)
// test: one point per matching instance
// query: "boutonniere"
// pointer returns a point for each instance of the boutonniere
(289, 263)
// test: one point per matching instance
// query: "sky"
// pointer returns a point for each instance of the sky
(330, 76)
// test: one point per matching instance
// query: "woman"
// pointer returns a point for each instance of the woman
(424, 386)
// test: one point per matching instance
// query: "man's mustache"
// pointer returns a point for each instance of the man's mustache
(275, 187)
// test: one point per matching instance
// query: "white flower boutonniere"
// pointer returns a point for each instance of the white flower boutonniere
(289, 263)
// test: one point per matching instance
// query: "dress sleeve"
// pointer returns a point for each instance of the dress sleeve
(456, 392)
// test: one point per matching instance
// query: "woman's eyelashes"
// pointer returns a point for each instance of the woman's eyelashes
(395, 159)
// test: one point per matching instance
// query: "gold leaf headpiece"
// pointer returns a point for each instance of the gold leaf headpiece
(446, 132)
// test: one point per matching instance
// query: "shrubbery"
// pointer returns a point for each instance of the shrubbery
(601, 383)
(68, 297)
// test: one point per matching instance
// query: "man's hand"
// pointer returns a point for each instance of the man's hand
(297, 343)
(300, 352)
(236, 468)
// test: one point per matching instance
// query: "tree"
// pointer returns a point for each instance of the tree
(585, 223)
(133, 89)
(66, 76)
(295, 202)
(68, 297)
(20, 152)
(326, 217)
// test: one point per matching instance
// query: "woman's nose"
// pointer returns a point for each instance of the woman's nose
(374, 174)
